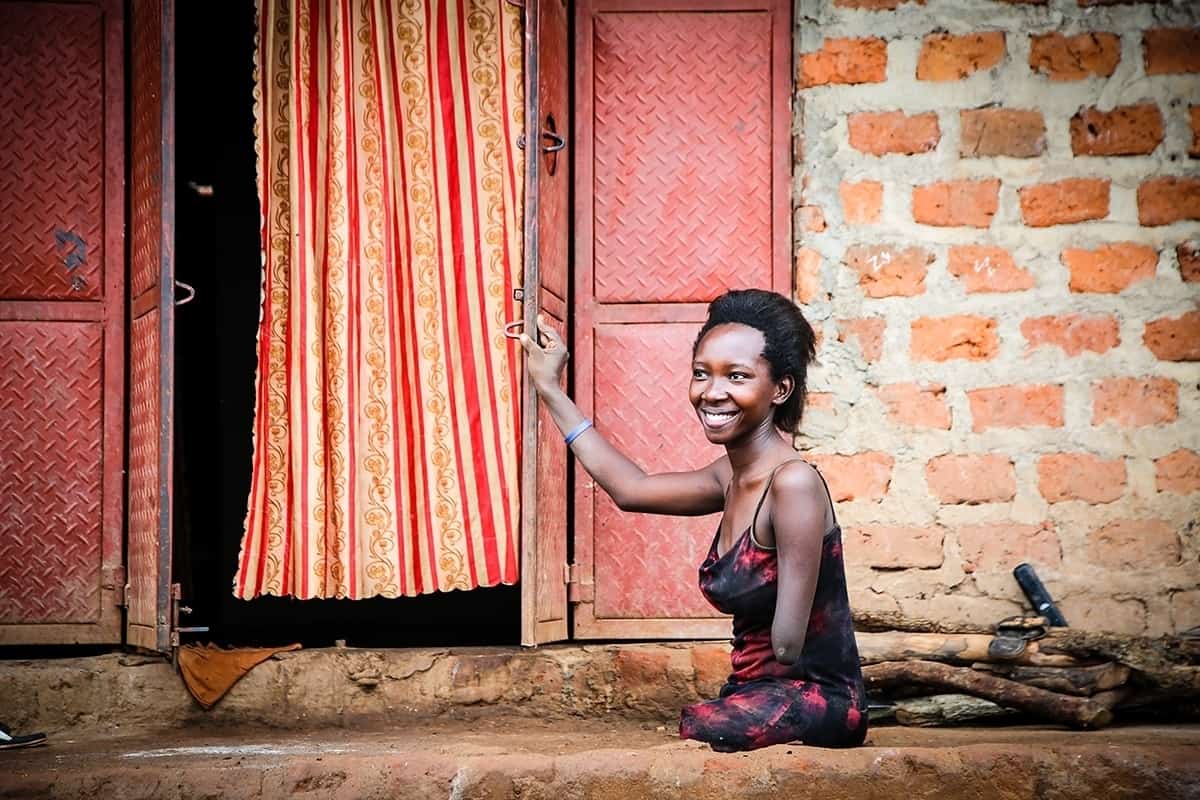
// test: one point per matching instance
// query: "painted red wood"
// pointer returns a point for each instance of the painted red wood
(682, 191)
(61, 322)
(151, 340)
(547, 186)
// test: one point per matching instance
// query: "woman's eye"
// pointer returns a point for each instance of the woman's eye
(698, 375)
(738, 376)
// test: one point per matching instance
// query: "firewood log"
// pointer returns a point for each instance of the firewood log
(1077, 712)
(1079, 681)
(947, 709)
(874, 648)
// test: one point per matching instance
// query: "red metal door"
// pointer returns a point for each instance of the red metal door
(151, 334)
(682, 191)
(61, 322)
(544, 458)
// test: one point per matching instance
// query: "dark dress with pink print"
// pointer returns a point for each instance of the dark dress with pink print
(819, 700)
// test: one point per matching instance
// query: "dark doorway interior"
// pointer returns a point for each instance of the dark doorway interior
(217, 252)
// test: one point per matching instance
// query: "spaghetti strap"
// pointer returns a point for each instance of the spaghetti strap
(767, 488)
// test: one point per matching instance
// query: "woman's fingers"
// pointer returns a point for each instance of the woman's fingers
(553, 340)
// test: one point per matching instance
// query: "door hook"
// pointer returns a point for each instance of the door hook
(510, 328)
(191, 290)
(556, 142)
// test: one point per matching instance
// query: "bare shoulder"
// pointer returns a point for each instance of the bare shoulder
(797, 480)
(721, 471)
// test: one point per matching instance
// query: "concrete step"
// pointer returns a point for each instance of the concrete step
(504, 758)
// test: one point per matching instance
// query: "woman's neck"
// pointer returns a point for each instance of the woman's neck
(747, 456)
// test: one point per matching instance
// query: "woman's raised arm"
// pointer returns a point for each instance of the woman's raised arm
(692, 493)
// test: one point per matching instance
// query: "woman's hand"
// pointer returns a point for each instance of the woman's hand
(547, 357)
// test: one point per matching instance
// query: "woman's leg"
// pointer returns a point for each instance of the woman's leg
(765, 712)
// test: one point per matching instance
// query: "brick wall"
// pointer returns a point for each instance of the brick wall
(997, 239)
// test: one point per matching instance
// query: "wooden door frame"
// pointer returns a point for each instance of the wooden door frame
(587, 314)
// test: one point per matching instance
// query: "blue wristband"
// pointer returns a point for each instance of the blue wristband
(577, 431)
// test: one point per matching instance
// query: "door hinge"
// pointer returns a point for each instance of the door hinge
(578, 590)
(178, 610)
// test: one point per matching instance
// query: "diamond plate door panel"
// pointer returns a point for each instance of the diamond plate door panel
(544, 498)
(682, 175)
(646, 564)
(52, 427)
(51, 152)
(62, 322)
(151, 336)
(682, 155)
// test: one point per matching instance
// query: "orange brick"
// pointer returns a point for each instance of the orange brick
(916, 406)
(1110, 268)
(818, 401)
(1194, 119)
(967, 203)
(1073, 58)
(846, 61)
(808, 274)
(1080, 476)
(1016, 407)
(1002, 132)
(861, 202)
(896, 546)
(1162, 201)
(1125, 131)
(1073, 333)
(1169, 51)
(1134, 544)
(1188, 254)
(867, 331)
(988, 269)
(1063, 202)
(944, 338)
(879, 133)
(1134, 402)
(810, 219)
(1178, 472)
(971, 479)
(710, 666)
(1174, 338)
(889, 272)
(998, 547)
(863, 476)
(874, 5)
(945, 57)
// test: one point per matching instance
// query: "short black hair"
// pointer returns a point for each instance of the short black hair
(790, 344)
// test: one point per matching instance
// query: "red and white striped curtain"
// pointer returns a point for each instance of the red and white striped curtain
(385, 434)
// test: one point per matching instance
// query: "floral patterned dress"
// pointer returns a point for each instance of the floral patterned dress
(819, 700)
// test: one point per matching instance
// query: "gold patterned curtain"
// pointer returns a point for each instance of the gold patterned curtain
(385, 435)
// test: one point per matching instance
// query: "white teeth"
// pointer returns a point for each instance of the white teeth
(717, 418)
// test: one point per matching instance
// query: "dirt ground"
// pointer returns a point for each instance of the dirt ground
(508, 758)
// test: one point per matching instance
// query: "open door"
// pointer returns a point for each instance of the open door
(62, 320)
(544, 575)
(152, 318)
(682, 175)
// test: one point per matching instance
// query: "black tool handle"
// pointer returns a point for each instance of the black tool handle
(1042, 602)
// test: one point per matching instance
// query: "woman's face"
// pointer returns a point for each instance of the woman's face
(732, 389)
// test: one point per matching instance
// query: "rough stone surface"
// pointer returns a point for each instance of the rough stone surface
(530, 759)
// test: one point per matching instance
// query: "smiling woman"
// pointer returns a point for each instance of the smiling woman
(775, 562)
